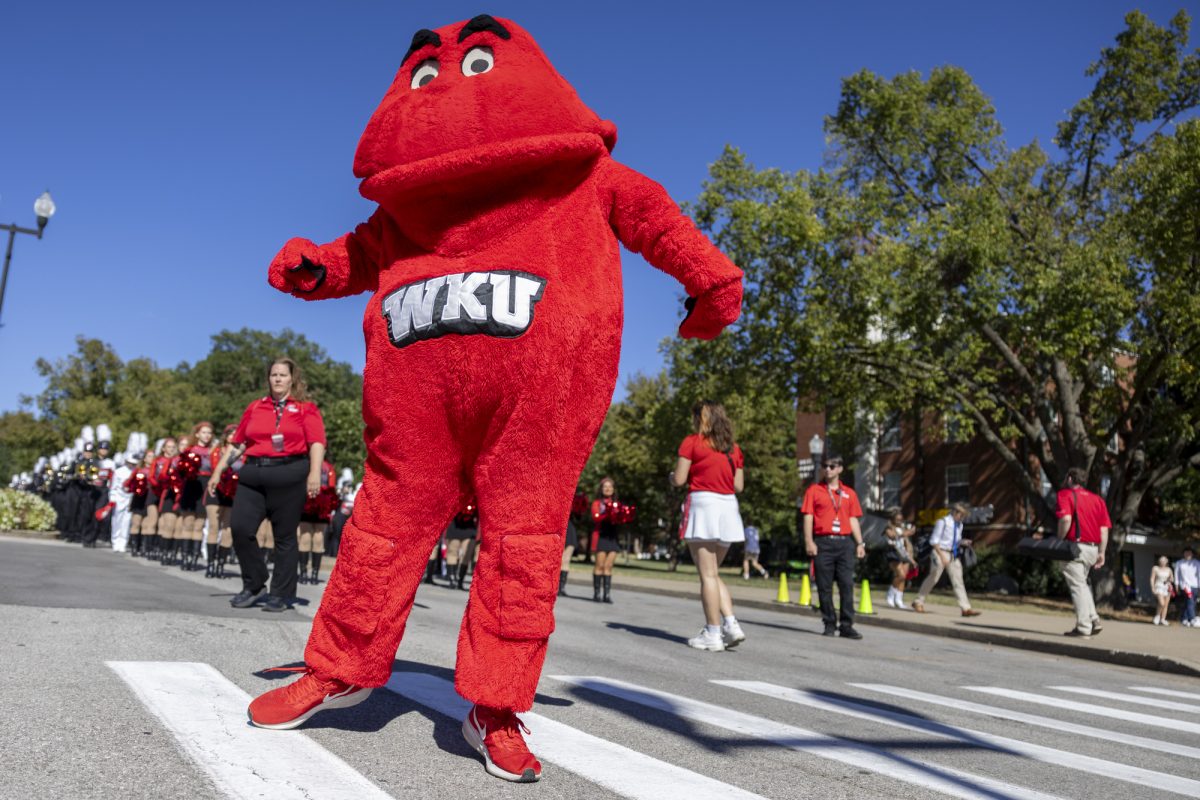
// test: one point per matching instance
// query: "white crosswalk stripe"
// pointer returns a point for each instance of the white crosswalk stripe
(1157, 721)
(953, 782)
(1167, 692)
(624, 771)
(1153, 702)
(1048, 755)
(206, 714)
(1126, 739)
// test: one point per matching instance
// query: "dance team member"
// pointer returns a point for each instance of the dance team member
(226, 489)
(605, 510)
(314, 519)
(282, 436)
(143, 507)
(711, 465)
(195, 469)
(460, 545)
(493, 341)
(164, 482)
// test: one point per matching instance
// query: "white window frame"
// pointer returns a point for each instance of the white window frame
(892, 495)
(959, 477)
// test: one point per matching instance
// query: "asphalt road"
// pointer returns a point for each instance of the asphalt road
(128, 680)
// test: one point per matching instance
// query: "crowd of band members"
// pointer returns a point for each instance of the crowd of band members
(156, 504)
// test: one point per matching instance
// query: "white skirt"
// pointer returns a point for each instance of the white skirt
(710, 516)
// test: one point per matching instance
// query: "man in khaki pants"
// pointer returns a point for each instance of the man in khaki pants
(1082, 518)
(945, 541)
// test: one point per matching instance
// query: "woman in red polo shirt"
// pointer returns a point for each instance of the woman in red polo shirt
(710, 464)
(282, 437)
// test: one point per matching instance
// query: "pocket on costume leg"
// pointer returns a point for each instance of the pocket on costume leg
(529, 569)
(356, 592)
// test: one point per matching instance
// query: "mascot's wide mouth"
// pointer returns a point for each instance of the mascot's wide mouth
(479, 164)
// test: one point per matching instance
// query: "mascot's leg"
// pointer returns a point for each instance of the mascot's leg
(525, 483)
(385, 546)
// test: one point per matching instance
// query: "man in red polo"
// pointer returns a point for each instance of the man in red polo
(1082, 518)
(833, 538)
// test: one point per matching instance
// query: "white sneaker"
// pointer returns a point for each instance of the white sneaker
(1157, 620)
(732, 635)
(707, 641)
(891, 600)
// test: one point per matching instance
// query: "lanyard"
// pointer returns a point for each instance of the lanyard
(835, 498)
(279, 404)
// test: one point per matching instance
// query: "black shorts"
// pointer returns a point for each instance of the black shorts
(192, 497)
(313, 520)
(457, 532)
(895, 558)
(572, 537)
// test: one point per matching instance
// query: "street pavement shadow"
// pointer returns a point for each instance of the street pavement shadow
(652, 709)
(653, 633)
(777, 626)
(1000, 628)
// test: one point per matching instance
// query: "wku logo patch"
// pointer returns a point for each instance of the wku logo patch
(498, 303)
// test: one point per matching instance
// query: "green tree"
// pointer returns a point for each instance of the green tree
(23, 439)
(1044, 301)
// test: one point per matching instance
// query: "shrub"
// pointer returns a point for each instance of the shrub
(22, 511)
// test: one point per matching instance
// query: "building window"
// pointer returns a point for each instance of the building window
(958, 484)
(891, 490)
(955, 429)
(889, 442)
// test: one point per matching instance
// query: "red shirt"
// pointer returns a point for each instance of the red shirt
(158, 473)
(828, 505)
(300, 423)
(1092, 514)
(711, 470)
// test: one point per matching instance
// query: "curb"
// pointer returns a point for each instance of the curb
(1123, 658)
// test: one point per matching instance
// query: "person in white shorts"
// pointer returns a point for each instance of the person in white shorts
(711, 466)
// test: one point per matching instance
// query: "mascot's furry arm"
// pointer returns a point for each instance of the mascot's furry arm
(648, 222)
(346, 266)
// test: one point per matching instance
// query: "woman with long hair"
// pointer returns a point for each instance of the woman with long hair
(282, 437)
(711, 465)
(198, 465)
(605, 513)
(1161, 579)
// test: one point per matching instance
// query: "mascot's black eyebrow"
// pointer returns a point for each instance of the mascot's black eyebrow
(482, 23)
(422, 38)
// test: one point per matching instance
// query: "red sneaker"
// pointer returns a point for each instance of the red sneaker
(289, 706)
(496, 735)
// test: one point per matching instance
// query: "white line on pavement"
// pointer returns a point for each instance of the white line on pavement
(953, 782)
(1153, 702)
(1088, 708)
(1157, 745)
(1047, 755)
(206, 714)
(624, 771)
(1167, 692)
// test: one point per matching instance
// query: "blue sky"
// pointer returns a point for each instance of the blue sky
(185, 143)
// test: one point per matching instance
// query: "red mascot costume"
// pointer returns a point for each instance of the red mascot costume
(493, 334)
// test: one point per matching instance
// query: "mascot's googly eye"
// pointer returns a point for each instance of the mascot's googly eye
(424, 73)
(478, 60)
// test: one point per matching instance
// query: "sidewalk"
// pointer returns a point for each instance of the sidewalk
(1132, 644)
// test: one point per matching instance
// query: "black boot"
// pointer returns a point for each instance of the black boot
(562, 583)
(430, 569)
(185, 556)
(462, 577)
(303, 566)
(597, 580)
(314, 577)
(608, 588)
(452, 576)
(135, 544)
(222, 557)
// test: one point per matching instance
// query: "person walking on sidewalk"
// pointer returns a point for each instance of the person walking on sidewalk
(1161, 579)
(711, 465)
(947, 543)
(1082, 518)
(899, 557)
(1187, 584)
(750, 559)
(833, 538)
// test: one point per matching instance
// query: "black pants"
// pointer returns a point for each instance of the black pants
(85, 514)
(835, 562)
(277, 493)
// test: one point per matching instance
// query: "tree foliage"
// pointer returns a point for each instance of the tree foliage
(1045, 300)
(94, 385)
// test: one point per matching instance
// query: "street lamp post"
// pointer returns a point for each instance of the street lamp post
(44, 208)
(816, 447)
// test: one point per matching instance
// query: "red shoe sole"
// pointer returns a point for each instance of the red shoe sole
(346, 701)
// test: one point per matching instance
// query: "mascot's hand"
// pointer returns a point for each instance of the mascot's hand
(297, 268)
(710, 312)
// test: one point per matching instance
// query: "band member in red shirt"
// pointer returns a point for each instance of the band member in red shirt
(1082, 518)
(833, 538)
(282, 437)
